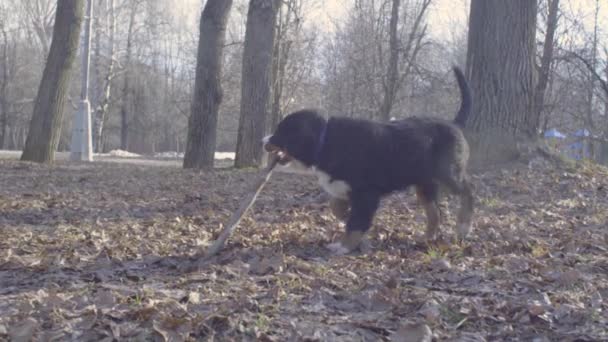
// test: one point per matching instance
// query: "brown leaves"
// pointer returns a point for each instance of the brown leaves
(413, 333)
(105, 251)
(23, 331)
(266, 264)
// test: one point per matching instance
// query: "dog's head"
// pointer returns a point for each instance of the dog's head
(296, 137)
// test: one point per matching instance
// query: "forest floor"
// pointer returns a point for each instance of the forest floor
(104, 251)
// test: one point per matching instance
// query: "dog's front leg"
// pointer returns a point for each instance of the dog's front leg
(363, 208)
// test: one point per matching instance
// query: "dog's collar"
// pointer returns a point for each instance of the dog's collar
(321, 142)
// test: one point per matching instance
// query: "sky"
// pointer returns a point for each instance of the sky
(443, 15)
(446, 17)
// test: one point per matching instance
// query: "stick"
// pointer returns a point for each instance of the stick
(245, 204)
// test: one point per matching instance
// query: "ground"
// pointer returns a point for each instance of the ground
(106, 251)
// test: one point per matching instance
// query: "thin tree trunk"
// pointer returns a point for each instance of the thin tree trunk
(45, 125)
(4, 89)
(277, 78)
(202, 125)
(589, 121)
(546, 61)
(392, 73)
(281, 53)
(605, 88)
(256, 81)
(103, 105)
(500, 67)
(3, 122)
(126, 90)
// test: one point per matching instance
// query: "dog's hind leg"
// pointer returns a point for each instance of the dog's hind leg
(428, 196)
(465, 214)
(340, 208)
(464, 190)
(363, 208)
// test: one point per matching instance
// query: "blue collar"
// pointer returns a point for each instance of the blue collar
(320, 143)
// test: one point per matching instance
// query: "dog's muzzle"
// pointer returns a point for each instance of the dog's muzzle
(283, 156)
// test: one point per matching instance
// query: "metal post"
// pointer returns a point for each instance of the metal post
(81, 149)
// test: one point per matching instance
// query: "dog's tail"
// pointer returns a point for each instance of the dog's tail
(465, 94)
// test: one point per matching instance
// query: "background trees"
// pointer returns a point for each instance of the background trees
(341, 59)
(500, 67)
(256, 81)
(202, 127)
(45, 125)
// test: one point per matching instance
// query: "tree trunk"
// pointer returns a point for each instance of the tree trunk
(45, 125)
(126, 90)
(101, 109)
(605, 88)
(256, 81)
(202, 125)
(392, 73)
(546, 61)
(3, 123)
(589, 108)
(4, 88)
(500, 67)
(277, 74)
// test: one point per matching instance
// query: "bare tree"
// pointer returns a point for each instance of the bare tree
(126, 90)
(500, 66)
(7, 74)
(256, 81)
(374, 62)
(202, 125)
(41, 14)
(396, 73)
(589, 108)
(392, 72)
(288, 28)
(103, 98)
(594, 73)
(544, 69)
(45, 125)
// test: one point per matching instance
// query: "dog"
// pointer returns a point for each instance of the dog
(357, 162)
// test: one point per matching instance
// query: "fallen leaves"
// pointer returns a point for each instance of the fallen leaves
(23, 331)
(413, 332)
(106, 252)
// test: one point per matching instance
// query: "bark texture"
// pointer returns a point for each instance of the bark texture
(6, 76)
(500, 68)
(126, 87)
(256, 81)
(45, 125)
(202, 125)
(103, 98)
(546, 61)
(392, 72)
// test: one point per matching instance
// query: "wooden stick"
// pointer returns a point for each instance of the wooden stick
(245, 204)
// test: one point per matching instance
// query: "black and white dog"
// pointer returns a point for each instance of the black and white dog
(359, 161)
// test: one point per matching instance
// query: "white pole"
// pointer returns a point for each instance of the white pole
(81, 149)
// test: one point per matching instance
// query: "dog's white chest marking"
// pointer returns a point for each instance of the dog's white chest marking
(336, 188)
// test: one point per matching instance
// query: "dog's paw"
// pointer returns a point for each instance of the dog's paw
(337, 248)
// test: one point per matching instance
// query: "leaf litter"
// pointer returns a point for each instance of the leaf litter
(108, 251)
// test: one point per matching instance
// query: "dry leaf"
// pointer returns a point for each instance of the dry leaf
(24, 330)
(105, 258)
(431, 311)
(413, 333)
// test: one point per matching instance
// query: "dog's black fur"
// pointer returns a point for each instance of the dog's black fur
(374, 159)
